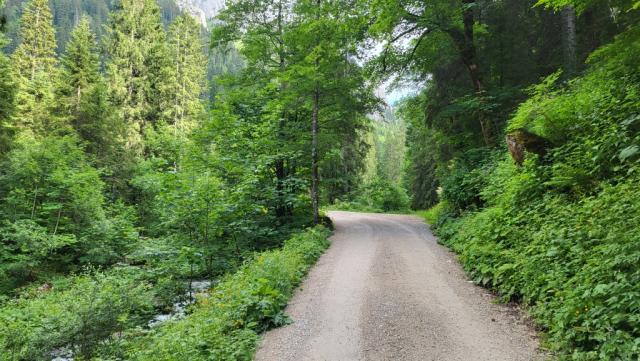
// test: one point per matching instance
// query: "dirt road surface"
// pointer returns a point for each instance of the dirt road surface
(385, 290)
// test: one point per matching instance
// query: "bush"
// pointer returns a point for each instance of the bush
(81, 313)
(465, 179)
(226, 324)
(561, 233)
(53, 213)
(434, 213)
(574, 263)
(377, 196)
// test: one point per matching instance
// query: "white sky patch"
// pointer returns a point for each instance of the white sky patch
(395, 89)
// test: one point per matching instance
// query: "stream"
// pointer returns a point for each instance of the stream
(179, 310)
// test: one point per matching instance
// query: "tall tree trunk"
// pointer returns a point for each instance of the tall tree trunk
(282, 210)
(315, 196)
(315, 181)
(468, 48)
(468, 54)
(570, 43)
(281, 207)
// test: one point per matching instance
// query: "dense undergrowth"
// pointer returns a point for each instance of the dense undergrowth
(377, 196)
(80, 313)
(560, 233)
(104, 315)
(226, 323)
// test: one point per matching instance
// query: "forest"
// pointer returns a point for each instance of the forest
(164, 184)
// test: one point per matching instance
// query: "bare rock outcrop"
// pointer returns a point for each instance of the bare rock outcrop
(521, 141)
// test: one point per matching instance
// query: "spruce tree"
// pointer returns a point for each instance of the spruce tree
(80, 69)
(81, 94)
(182, 103)
(137, 67)
(37, 49)
(324, 76)
(34, 63)
(7, 91)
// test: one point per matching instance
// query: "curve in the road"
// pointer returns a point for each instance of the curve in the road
(385, 290)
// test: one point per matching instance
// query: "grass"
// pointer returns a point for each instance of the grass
(431, 215)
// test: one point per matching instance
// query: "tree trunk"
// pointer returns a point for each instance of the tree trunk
(281, 208)
(35, 198)
(465, 43)
(570, 42)
(315, 197)
(468, 48)
(315, 181)
(55, 230)
(280, 167)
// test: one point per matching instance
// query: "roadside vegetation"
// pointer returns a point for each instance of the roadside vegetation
(230, 319)
(143, 151)
(529, 166)
(559, 233)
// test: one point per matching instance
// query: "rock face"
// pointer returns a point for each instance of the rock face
(521, 140)
(203, 10)
(211, 8)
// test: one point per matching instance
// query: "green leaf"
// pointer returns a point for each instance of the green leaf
(629, 152)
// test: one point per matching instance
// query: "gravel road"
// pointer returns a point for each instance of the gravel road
(385, 290)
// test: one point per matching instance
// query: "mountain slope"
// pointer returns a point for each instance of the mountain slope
(66, 13)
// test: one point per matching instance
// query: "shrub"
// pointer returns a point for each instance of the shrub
(80, 313)
(574, 263)
(466, 177)
(561, 233)
(378, 196)
(225, 325)
(53, 213)
(434, 213)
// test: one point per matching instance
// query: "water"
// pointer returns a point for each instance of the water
(62, 354)
(179, 310)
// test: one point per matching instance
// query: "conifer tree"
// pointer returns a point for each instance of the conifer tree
(34, 63)
(7, 90)
(137, 67)
(80, 69)
(37, 49)
(326, 77)
(81, 93)
(182, 104)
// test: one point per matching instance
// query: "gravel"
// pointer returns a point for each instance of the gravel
(385, 290)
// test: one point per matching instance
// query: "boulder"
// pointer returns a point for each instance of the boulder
(521, 141)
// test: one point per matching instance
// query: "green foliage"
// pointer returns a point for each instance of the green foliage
(120, 164)
(37, 49)
(377, 196)
(126, 166)
(34, 62)
(53, 212)
(7, 93)
(79, 73)
(569, 260)
(226, 324)
(300, 53)
(81, 313)
(433, 214)
(66, 14)
(558, 232)
(465, 179)
(583, 6)
(82, 98)
(136, 67)
(181, 103)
